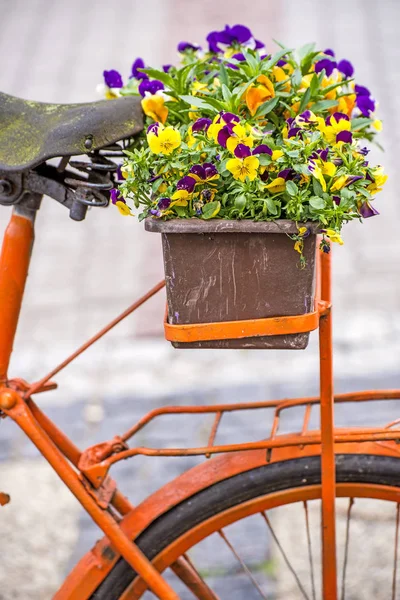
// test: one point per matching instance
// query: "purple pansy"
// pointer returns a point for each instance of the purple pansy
(223, 136)
(138, 64)
(259, 44)
(153, 128)
(344, 136)
(155, 212)
(150, 86)
(281, 63)
(336, 200)
(242, 151)
(113, 79)
(361, 90)
(238, 34)
(327, 64)
(345, 67)
(366, 210)
(262, 149)
(201, 124)
(228, 118)
(164, 203)
(364, 102)
(305, 117)
(115, 196)
(184, 46)
(353, 179)
(293, 131)
(118, 173)
(204, 171)
(166, 68)
(287, 174)
(186, 183)
(364, 151)
(329, 52)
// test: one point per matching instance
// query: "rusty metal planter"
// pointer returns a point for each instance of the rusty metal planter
(223, 270)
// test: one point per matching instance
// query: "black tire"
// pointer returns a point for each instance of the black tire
(264, 480)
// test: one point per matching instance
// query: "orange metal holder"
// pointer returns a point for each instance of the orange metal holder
(77, 470)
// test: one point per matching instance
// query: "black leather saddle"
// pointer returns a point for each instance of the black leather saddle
(32, 132)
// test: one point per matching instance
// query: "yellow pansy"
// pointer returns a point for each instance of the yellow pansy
(256, 95)
(241, 169)
(276, 154)
(328, 168)
(339, 183)
(317, 173)
(154, 107)
(377, 124)
(164, 141)
(334, 236)
(280, 75)
(345, 105)
(241, 136)
(180, 198)
(277, 185)
(123, 208)
(334, 127)
(379, 180)
(198, 87)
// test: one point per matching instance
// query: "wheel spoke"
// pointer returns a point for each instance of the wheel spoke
(189, 575)
(243, 564)
(396, 540)
(310, 554)
(284, 555)
(346, 548)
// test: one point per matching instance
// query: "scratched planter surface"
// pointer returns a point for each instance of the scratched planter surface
(223, 270)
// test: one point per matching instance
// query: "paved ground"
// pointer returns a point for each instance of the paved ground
(86, 273)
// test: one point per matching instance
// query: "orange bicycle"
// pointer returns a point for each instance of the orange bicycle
(231, 499)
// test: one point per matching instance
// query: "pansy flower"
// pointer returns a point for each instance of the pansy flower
(329, 64)
(205, 173)
(135, 73)
(119, 201)
(187, 46)
(366, 210)
(333, 235)
(222, 119)
(233, 134)
(164, 141)
(346, 68)
(258, 93)
(150, 87)
(364, 102)
(113, 79)
(244, 165)
(336, 128)
(378, 179)
(237, 35)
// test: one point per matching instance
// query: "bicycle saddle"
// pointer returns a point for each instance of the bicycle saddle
(32, 132)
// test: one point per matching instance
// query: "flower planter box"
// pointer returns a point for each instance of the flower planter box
(222, 270)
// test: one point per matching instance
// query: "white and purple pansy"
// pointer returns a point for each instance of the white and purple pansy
(150, 87)
(187, 47)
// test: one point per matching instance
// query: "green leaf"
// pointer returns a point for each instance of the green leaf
(296, 78)
(291, 188)
(264, 159)
(194, 101)
(360, 123)
(323, 105)
(223, 75)
(240, 202)
(227, 95)
(275, 58)
(164, 77)
(305, 50)
(251, 61)
(265, 108)
(305, 100)
(271, 206)
(314, 85)
(364, 192)
(317, 187)
(210, 210)
(317, 203)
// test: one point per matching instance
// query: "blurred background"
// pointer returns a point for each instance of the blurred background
(83, 274)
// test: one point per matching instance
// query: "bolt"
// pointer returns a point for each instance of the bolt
(88, 142)
(8, 399)
(5, 187)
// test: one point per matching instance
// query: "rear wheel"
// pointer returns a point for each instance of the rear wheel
(257, 534)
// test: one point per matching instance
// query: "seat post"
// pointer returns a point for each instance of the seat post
(14, 265)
